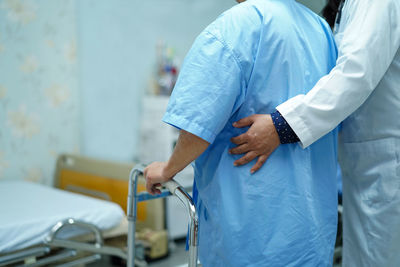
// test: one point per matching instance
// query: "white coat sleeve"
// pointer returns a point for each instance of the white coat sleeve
(369, 43)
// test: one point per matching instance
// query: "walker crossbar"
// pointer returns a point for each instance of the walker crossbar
(173, 188)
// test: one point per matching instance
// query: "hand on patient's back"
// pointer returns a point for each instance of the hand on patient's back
(260, 140)
(155, 176)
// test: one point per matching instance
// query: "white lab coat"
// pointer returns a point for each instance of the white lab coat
(366, 84)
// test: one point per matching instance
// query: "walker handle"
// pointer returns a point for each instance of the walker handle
(171, 185)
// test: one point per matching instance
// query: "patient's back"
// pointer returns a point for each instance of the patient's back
(252, 58)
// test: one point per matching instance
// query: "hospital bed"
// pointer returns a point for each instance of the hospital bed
(36, 219)
(41, 225)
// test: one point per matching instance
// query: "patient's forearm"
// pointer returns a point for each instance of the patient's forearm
(188, 148)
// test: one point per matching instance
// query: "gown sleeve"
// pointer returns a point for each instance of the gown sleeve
(209, 88)
(368, 46)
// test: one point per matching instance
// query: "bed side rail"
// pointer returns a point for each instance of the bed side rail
(34, 252)
(97, 247)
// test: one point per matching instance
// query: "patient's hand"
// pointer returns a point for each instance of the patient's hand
(259, 141)
(155, 175)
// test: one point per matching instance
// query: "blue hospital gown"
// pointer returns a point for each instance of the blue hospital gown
(250, 59)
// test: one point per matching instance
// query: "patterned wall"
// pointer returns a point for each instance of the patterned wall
(38, 87)
(42, 112)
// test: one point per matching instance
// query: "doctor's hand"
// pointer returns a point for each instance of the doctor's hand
(155, 175)
(260, 140)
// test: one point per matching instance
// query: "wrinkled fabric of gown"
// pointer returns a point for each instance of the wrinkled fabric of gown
(251, 58)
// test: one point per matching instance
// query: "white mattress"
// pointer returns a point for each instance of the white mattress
(28, 211)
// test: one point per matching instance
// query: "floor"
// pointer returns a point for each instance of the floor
(177, 257)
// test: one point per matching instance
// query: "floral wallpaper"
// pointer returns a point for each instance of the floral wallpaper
(39, 103)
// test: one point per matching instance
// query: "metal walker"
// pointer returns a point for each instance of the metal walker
(172, 188)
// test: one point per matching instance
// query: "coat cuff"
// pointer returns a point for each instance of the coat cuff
(291, 111)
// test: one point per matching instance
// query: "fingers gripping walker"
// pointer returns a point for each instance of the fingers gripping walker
(172, 188)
